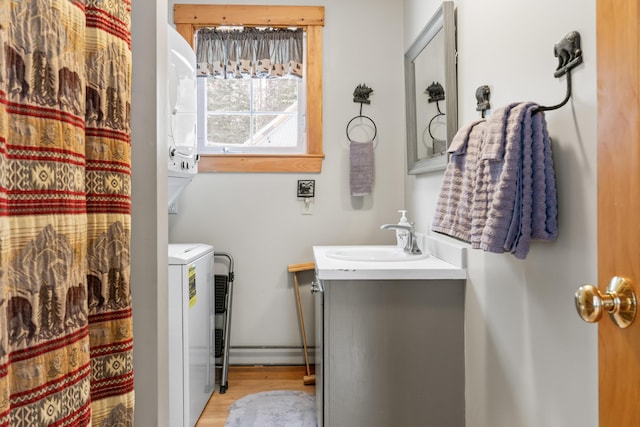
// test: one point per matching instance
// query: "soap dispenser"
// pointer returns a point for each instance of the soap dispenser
(402, 235)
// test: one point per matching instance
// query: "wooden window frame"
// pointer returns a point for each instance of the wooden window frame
(189, 17)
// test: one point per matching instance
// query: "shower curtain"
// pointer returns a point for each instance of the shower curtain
(65, 305)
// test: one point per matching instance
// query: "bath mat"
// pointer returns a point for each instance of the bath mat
(280, 408)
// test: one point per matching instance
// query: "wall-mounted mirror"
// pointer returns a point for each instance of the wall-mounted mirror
(431, 92)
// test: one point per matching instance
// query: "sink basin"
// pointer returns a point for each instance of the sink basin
(373, 254)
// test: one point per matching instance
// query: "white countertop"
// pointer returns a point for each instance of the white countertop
(430, 268)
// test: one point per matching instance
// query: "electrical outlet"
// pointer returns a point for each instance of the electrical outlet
(307, 206)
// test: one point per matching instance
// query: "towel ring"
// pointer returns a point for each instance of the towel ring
(440, 113)
(375, 129)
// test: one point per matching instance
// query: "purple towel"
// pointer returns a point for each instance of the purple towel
(499, 189)
(453, 210)
(361, 168)
(544, 224)
(491, 178)
(515, 198)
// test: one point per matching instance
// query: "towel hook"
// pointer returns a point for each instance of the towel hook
(483, 93)
(569, 54)
(361, 95)
(436, 94)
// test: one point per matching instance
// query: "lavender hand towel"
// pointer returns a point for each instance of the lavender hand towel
(361, 168)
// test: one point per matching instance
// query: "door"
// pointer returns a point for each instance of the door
(618, 203)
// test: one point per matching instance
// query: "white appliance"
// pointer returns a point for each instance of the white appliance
(182, 147)
(191, 326)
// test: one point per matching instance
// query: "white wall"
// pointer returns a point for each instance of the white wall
(530, 361)
(149, 222)
(257, 217)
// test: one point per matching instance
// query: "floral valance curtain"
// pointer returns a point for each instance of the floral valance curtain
(250, 52)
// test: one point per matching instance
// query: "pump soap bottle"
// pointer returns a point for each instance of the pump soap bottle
(402, 235)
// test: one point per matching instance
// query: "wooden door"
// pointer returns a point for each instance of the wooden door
(618, 203)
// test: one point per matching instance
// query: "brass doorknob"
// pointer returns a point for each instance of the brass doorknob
(619, 301)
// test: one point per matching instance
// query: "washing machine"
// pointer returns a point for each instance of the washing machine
(191, 325)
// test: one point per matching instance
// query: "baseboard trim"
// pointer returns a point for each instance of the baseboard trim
(269, 355)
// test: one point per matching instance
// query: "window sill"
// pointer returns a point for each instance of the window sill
(302, 163)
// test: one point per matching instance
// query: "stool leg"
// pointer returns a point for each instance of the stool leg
(308, 379)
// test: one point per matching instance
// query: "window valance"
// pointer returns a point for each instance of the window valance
(249, 52)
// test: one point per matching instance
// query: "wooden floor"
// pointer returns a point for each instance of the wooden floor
(244, 380)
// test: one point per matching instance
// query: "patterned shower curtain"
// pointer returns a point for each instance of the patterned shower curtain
(65, 306)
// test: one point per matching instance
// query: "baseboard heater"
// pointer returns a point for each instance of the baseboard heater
(268, 355)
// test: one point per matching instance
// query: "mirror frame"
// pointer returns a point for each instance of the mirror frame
(443, 19)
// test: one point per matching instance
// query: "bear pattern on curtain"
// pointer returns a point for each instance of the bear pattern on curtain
(65, 307)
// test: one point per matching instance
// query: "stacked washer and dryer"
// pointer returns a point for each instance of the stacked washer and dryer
(182, 148)
(191, 275)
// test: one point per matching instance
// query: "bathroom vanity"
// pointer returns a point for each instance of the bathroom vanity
(390, 340)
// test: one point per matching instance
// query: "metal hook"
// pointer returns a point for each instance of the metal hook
(435, 92)
(566, 98)
(483, 93)
(361, 94)
(569, 56)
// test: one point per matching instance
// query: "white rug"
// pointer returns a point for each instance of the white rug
(281, 408)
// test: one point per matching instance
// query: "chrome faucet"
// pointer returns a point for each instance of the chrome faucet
(411, 246)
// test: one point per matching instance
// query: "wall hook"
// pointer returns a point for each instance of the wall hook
(435, 92)
(483, 93)
(568, 52)
(569, 56)
(361, 94)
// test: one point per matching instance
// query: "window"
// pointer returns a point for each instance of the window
(255, 146)
(250, 116)
(250, 89)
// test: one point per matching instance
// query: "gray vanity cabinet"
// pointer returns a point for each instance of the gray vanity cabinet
(392, 353)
